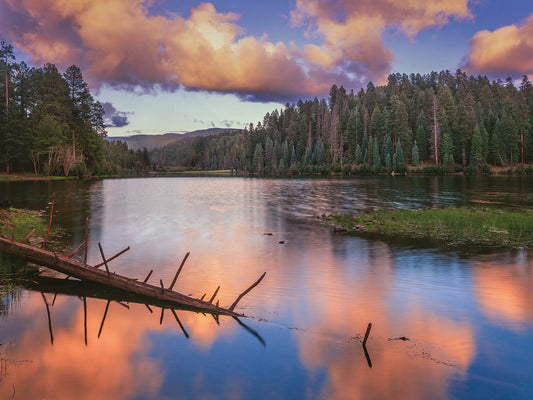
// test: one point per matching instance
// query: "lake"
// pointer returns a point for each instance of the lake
(446, 324)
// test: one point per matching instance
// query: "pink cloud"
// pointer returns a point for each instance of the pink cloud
(352, 30)
(507, 50)
(120, 43)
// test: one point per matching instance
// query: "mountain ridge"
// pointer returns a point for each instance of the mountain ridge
(140, 141)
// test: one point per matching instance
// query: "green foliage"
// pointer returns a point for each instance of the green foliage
(436, 170)
(347, 170)
(415, 158)
(453, 226)
(486, 170)
(258, 159)
(422, 136)
(80, 170)
(476, 153)
(472, 120)
(358, 158)
(470, 170)
(398, 160)
(52, 122)
(520, 170)
(21, 222)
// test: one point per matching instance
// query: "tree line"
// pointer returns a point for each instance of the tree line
(50, 123)
(436, 122)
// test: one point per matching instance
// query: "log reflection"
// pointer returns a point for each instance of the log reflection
(89, 290)
(49, 319)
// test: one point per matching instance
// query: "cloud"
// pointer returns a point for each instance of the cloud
(352, 31)
(506, 51)
(229, 124)
(114, 118)
(123, 45)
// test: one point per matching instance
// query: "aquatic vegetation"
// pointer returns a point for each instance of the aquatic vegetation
(453, 226)
(18, 223)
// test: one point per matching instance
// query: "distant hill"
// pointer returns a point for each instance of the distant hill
(136, 142)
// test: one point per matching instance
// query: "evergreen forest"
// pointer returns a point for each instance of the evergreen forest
(437, 122)
(50, 124)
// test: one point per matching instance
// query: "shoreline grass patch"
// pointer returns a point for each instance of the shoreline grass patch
(452, 226)
(18, 224)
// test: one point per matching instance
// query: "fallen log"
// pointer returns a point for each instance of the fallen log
(84, 272)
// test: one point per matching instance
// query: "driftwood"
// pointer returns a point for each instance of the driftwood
(89, 273)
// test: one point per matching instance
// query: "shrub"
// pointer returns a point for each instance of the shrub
(347, 169)
(401, 168)
(80, 170)
(486, 170)
(470, 170)
(520, 170)
(436, 169)
(364, 169)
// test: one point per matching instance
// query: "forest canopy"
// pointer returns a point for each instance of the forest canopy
(51, 124)
(452, 121)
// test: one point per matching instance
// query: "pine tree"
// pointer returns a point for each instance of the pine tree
(294, 159)
(422, 136)
(321, 152)
(388, 149)
(415, 158)
(495, 150)
(258, 160)
(376, 160)
(269, 156)
(364, 148)
(358, 156)
(399, 159)
(476, 151)
(388, 163)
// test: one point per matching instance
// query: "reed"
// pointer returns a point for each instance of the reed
(454, 226)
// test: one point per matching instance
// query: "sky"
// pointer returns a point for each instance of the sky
(161, 66)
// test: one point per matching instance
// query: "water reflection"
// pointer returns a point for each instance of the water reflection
(438, 347)
(504, 294)
(114, 364)
(467, 317)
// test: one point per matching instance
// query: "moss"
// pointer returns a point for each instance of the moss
(18, 223)
(453, 226)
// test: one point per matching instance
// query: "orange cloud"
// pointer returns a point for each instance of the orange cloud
(121, 43)
(508, 50)
(352, 31)
(116, 365)
(504, 294)
(438, 348)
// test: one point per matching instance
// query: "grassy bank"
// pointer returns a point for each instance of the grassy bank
(31, 177)
(454, 226)
(18, 223)
(181, 172)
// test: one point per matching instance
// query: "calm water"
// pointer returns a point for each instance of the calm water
(468, 316)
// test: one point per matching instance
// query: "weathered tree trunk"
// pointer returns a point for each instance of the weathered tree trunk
(78, 270)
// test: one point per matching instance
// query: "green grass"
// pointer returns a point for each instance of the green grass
(21, 222)
(27, 177)
(18, 224)
(454, 226)
(170, 172)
